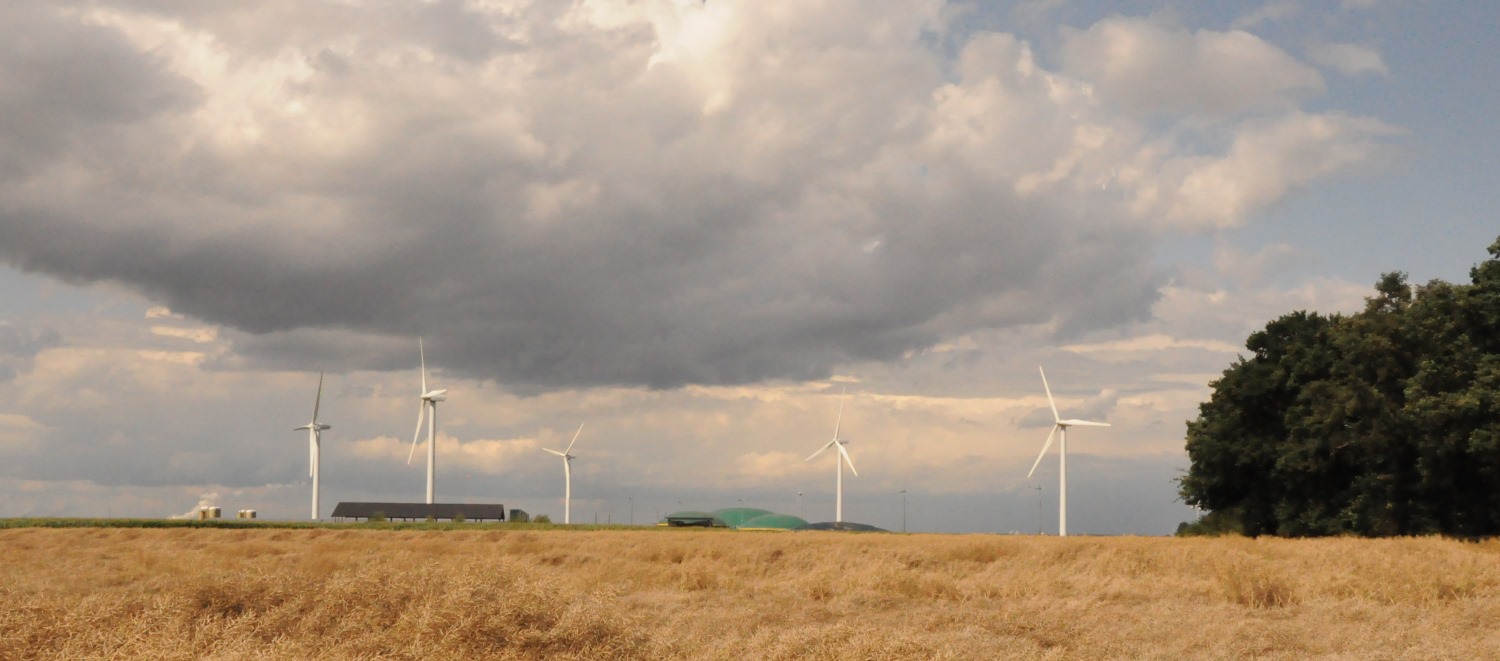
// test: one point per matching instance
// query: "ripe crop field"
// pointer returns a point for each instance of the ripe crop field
(494, 593)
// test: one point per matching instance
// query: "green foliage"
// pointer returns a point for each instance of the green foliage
(541, 518)
(1385, 422)
(458, 517)
(377, 517)
(1212, 524)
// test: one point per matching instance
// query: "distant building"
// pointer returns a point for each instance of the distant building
(420, 511)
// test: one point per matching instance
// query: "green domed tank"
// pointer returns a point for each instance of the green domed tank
(735, 516)
(773, 521)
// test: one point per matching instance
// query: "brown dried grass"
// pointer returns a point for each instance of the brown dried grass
(241, 594)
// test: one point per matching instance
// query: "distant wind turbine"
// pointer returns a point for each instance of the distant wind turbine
(1059, 424)
(567, 458)
(429, 400)
(838, 508)
(314, 438)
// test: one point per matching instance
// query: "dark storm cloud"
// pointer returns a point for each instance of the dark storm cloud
(546, 204)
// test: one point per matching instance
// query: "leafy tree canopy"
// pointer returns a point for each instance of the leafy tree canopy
(1383, 422)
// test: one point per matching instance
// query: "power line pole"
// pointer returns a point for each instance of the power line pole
(903, 510)
(1038, 508)
(799, 506)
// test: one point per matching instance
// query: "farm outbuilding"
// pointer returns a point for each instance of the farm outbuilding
(694, 518)
(420, 511)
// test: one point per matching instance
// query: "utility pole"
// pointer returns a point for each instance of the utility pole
(799, 506)
(1038, 508)
(632, 510)
(903, 510)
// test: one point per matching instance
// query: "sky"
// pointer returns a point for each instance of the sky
(700, 228)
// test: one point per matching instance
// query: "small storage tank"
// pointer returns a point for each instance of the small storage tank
(213, 513)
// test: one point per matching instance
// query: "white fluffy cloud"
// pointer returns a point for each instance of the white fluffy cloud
(1350, 59)
(1145, 66)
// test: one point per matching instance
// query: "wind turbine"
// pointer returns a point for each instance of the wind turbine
(568, 473)
(429, 400)
(1059, 424)
(314, 436)
(838, 508)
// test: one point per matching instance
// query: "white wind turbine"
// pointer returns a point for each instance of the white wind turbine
(430, 398)
(838, 507)
(568, 474)
(1059, 424)
(314, 437)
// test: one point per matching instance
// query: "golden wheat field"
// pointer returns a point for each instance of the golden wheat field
(277, 593)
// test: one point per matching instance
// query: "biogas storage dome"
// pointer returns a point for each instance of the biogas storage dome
(735, 517)
(773, 522)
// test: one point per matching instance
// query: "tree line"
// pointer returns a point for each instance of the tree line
(1383, 422)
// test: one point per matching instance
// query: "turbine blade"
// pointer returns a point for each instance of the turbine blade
(575, 438)
(422, 353)
(421, 410)
(1083, 423)
(845, 454)
(319, 400)
(840, 422)
(1055, 416)
(1045, 446)
(312, 454)
(820, 450)
(560, 454)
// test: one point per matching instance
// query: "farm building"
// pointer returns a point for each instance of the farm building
(420, 511)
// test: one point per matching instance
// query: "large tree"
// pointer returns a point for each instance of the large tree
(1383, 422)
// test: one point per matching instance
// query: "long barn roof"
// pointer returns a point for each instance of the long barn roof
(469, 511)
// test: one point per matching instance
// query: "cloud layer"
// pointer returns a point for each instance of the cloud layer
(648, 193)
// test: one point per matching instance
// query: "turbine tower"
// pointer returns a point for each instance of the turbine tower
(1062, 474)
(314, 438)
(838, 507)
(567, 458)
(429, 400)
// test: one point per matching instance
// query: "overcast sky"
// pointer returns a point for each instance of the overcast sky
(692, 225)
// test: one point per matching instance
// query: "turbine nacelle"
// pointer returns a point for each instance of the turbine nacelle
(844, 454)
(436, 395)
